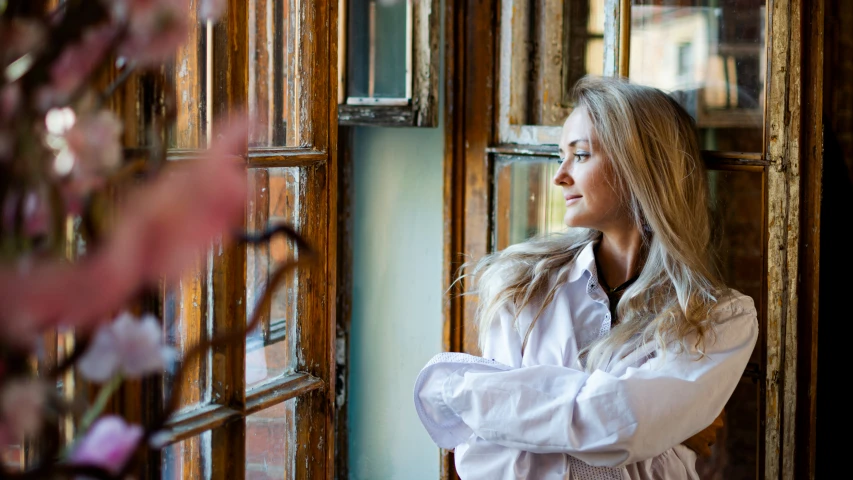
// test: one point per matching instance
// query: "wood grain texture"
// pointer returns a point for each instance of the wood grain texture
(810, 241)
(783, 184)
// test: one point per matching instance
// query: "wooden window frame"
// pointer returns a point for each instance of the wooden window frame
(791, 162)
(312, 125)
(420, 108)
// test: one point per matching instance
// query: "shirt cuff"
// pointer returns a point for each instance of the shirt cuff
(444, 373)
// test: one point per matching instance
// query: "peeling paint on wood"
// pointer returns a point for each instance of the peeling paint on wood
(783, 183)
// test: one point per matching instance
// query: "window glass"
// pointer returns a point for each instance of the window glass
(277, 196)
(270, 445)
(554, 43)
(270, 73)
(379, 47)
(189, 458)
(711, 56)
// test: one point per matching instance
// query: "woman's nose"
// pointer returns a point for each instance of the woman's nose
(562, 176)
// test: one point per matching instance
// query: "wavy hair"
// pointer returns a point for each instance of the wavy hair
(650, 142)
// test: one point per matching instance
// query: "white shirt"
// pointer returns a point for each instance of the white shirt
(540, 416)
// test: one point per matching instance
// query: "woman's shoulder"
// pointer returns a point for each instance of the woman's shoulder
(734, 305)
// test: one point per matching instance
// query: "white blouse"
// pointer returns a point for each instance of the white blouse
(540, 416)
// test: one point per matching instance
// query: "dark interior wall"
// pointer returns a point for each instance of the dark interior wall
(836, 244)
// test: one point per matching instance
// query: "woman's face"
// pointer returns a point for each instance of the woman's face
(587, 178)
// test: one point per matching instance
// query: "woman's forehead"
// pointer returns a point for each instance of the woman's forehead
(577, 128)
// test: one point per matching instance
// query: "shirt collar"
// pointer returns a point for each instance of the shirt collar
(584, 262)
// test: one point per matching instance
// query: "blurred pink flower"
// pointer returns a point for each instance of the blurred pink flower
(10, 102)
(33, 209)
(212, 9)
(130, 346)
(160, 229)
(20, 37)
(155, 28)
(21, 405)
(96, 142)
(75, 64)
(109, 444)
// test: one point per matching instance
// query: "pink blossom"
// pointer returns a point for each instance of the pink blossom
(20, 37)
(96, 142)
(160, 229)
(128, 346)
(155, 28)
(21, 405)
(10, 101)
(109, 444)
(76, 63)
(34, 212)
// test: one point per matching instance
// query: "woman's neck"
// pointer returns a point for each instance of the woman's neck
(620, 255)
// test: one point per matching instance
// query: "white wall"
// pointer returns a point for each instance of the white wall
(397, 295)
(397, 288)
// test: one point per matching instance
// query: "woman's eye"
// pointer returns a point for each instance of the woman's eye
(580, 157)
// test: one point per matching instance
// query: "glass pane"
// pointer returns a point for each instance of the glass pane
(270, 72)
(276, 195)
(379, 49)
(554, 43)
(188, 77)
(736, 204)
(185, 324)
(735, 454)
(526, 202)
(269, 454)
(711, 56)
(187, 459)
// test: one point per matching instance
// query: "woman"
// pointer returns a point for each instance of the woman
(607, 347)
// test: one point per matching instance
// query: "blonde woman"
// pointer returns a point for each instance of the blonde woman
(608, 347)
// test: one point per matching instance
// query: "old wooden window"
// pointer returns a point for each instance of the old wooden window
(727, 62)
(388, 62)
(250, 410)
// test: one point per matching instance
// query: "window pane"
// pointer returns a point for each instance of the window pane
(187, 459)
(526, 202)
(711, 56)
(276, 195)
(270, 450)
(188, 77)
(735, 454)
(379, 49)
(185, 324)
(554, 43)
(736, 204)
(270, 72)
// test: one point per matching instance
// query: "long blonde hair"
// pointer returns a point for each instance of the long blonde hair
(650, 142)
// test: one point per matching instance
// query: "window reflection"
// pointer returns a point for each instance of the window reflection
(527, 204)
(711, 56)
(554, 43)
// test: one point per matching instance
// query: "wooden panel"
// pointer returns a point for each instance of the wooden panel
(384, 116)
(783, 183)
(810, 252)
(230, 87)
(343, 301)
(188, 81)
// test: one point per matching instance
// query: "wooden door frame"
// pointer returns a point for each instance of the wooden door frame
(794, 157)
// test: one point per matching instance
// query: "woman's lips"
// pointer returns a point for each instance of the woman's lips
(570, 199)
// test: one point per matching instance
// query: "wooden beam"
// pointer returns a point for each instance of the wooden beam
(782, 140)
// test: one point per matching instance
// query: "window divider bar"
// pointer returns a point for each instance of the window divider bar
(280, 390)
(271, 157)
(195, 422)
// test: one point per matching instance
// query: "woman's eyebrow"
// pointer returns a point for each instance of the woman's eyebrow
(573, 142)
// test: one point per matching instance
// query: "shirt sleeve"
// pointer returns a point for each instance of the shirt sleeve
(600, 418)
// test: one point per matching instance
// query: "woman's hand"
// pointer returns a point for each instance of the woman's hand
(701, 442)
